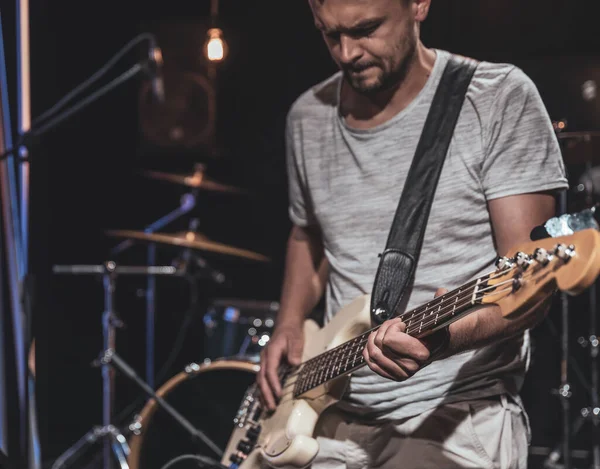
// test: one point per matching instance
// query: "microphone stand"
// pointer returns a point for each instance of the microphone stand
(30, 138)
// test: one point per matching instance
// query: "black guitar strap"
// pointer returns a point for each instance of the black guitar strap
(398, 261)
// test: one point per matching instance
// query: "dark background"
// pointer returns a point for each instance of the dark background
(85, 173)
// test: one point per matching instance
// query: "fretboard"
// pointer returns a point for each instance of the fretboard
(348, 357)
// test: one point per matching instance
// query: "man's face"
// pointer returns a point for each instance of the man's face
(372, 41)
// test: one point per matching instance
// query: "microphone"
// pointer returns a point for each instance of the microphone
(567, 224)
(156, 71)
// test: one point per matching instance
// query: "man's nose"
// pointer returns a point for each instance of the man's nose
(350, 50)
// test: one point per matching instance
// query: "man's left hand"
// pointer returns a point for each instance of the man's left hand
(393, 354)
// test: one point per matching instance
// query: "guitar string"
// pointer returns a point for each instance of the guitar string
(446, 297)
(357, 361)
(457, 292)
(357, 354)
(446, 302)
(467, 294)
(357, 350)
(461, 293)
(452, 295)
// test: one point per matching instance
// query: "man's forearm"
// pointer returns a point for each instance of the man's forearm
(487, 325)
(304, 279)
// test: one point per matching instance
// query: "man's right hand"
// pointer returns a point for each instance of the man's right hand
(286, 343)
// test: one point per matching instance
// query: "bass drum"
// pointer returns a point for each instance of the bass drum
(208, 396)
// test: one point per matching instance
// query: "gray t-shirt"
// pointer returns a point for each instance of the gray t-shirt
(349, 181)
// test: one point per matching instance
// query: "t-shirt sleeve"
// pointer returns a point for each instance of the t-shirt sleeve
(300, 206)
(521, 151)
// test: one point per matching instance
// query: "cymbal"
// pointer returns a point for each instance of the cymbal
(197, 179)
(188, 239)
(580, 147)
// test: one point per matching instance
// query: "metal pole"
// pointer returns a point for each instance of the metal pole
(3, 342)
(12, 238)
(565, 387)
(150, 317)
(595, 402)
(29, 437)
(108, 374)
(24, 86)
(5, 136)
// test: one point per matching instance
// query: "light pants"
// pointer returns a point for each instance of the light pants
(486, 433)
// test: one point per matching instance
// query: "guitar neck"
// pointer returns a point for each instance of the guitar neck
(421, 321)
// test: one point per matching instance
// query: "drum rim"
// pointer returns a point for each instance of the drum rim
(190, 370)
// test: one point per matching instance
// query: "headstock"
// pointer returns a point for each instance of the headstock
(534, 270)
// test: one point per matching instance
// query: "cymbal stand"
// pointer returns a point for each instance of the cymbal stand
(111, 436)
(187, 203)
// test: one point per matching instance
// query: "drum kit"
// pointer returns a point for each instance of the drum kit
(193, 412)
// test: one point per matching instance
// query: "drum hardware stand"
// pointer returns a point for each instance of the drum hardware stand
(564, 391)
(591, 413)
(187, 203)
(112, 438)
(109, 357)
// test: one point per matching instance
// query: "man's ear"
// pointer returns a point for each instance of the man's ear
(421, 9)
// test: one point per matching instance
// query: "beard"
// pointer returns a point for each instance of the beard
(384, 80)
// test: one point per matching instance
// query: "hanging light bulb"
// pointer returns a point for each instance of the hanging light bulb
(215, 47)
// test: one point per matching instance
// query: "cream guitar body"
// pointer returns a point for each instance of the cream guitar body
(286, 437)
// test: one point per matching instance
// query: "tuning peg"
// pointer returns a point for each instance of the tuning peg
(564, 252)
(517, 283)
(523, 260)
(542, 256)
(505, 263)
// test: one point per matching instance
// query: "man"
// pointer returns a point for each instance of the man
(350, 143)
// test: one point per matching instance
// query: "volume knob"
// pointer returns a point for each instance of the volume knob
(245, 446)
(253, 433)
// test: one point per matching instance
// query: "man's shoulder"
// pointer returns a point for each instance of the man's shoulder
(317, 100)
(493, 79)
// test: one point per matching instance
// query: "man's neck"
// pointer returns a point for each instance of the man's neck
(363, 112)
